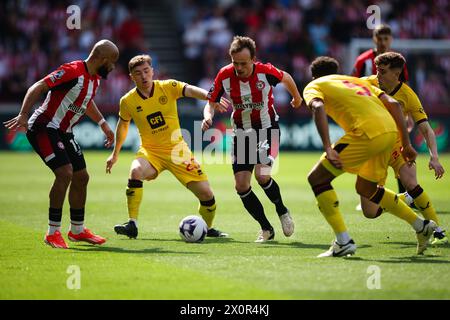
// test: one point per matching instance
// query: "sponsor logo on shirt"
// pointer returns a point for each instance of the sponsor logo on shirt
(76, 109)
(156, 120)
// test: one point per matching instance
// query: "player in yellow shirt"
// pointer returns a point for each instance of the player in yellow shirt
(389, 67)
(152, 105)
(364, 112)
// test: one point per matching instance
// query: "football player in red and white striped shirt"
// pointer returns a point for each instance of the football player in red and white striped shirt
(255, 126)
(70, 92)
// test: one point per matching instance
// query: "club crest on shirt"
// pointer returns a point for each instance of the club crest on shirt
(162, 100)
(57, 75)
(260, 85)
(60, 145)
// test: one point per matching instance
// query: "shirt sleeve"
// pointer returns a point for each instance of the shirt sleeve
(124, 112)
(312, 91)
(176, 88)
(415, 108)
(63, 74)
(375, 90)
(274, 75)
(216, 91)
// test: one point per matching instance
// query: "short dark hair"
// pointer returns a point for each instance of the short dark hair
(382, 29)
(139, 60)
(323, 66)
(392, 59)
(239, 43)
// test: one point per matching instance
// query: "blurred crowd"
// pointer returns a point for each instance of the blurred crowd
(31, 46)
(291, 33)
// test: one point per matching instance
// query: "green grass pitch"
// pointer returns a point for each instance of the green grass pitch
(158, 265)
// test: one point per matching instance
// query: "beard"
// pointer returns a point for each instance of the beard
(103, 72)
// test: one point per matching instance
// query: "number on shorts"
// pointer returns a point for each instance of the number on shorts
(75, 145)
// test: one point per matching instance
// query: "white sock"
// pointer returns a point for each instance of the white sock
(134, 220)
(408, 199)
(418, 224)
(76, 227)
(343, 237)
(53, 226)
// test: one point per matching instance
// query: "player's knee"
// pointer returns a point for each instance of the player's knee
(262, 179)
(205, 195)
(372, 213)
(242, 186)
(136, 173)
(314, 180)
(64, 174)
(81, 177)
(409, 184)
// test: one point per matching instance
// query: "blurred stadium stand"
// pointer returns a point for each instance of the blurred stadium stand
(189, 40)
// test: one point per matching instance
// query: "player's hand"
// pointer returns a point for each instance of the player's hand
(296, 102)
(206, 124)
(435, 165)
(219, 107)
(225, 103)
(21, 121)
(109, 134)
(112, 159)
(333, 157)
(409, 154)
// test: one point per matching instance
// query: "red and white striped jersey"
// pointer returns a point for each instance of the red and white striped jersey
(252, 97)
(72, 89)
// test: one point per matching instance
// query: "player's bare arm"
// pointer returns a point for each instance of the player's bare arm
(32, 96)
(208, 115)
(291, 87)
(121, 135)
(395, 110)
(430, 138)
(95, 115)
(191, 91)
(321, 121)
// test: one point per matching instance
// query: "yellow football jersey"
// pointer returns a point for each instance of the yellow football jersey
(156, 117)
(407, 97)
(352, 103)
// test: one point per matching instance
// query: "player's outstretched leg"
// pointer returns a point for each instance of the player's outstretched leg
(390, 201)
(423, 202)
(207, 206)
(134, 194)
(77, 201)
(272, 191)
(320, 180)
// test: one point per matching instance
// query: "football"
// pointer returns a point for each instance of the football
(193, 229)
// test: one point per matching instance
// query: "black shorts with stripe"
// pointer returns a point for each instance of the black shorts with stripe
(258, 146)
(56, 148)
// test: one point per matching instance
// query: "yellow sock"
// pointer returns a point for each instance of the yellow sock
(329, 206)
(392, 203)
(207, 210)
(423, 203)
(402, 196)
(134, 198)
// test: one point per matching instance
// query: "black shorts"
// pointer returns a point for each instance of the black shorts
(258, 146)
(56, 148)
